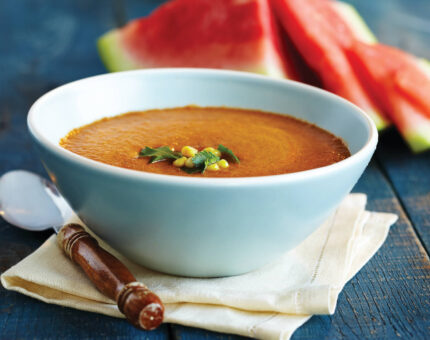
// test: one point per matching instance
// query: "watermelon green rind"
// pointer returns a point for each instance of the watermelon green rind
(321, 35)
(425, 66)
(230, 34)
(416, 132)
(363, 33)
(355, 22)
(411, 123)
(419, 138)
(419, 141)
(381, 68)
(115, 58)
(111, 53)
(380, 122)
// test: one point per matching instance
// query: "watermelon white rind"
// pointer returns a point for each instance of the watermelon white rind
(112, 54)
(363, 33)
(425, 66)
(416, 131)
(413, 125)
(419, 138)
(419, 141)
(322, 34)
(223, 34)
(380, 122)
(354, 20)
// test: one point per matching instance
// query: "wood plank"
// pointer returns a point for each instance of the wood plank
(375, 278)
(24, 318)
(408, 28)
(189, 333)
(409, 175)
(399, 23)
(48, 43)
(401, 307)
(52, 44)
(388, 298)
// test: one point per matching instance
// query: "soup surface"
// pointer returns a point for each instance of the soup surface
(266, 143)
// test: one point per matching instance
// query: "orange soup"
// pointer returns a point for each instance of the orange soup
(265, 143)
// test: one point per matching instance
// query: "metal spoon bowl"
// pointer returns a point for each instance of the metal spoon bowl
(31, 202)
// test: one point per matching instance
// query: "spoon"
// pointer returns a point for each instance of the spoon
(33, 203)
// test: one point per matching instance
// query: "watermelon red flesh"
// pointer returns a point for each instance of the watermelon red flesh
(304, 73)
(411, 123)
(347, 19)
(330, 22)
(383, 70)
(357, 26)
(413, 83)
(229, 34)
(317, 39)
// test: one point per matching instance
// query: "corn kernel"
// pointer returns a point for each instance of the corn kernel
(223, 164)
(188, 151)
(180, 162)
(213, 167)
(189, 163)
(214, 151)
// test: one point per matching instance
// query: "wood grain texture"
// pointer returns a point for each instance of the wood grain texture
(398, 23)
(408, 28)
(52, 42)
(409, 175)
(46, 44)
(24, 318)
(389, 298)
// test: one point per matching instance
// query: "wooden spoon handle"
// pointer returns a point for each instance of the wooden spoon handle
(141, 307)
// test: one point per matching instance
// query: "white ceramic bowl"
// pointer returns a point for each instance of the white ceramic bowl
(236, 224)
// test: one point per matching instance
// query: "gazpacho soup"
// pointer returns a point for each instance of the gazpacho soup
(208, 142)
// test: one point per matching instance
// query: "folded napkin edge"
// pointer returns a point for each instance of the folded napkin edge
(17, 284)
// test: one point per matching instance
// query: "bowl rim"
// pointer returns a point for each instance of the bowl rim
(362, 153)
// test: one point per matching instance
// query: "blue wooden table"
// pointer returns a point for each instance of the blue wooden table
(47, 43)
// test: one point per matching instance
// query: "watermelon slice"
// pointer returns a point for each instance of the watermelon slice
(321, 34)
(415, 85)
(357, 26)
(230, 34)
(399, 84)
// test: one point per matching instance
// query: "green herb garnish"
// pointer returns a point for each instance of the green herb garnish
(159, 154)
(191, 170)
(203, 159)
(228, 152)
(209, 157)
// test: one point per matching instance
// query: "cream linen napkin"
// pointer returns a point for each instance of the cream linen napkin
(269, 303)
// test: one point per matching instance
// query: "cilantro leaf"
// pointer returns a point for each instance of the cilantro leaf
(201, 161)
(159, 154)
(228, 152)
(191, 170)
(203, 157)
